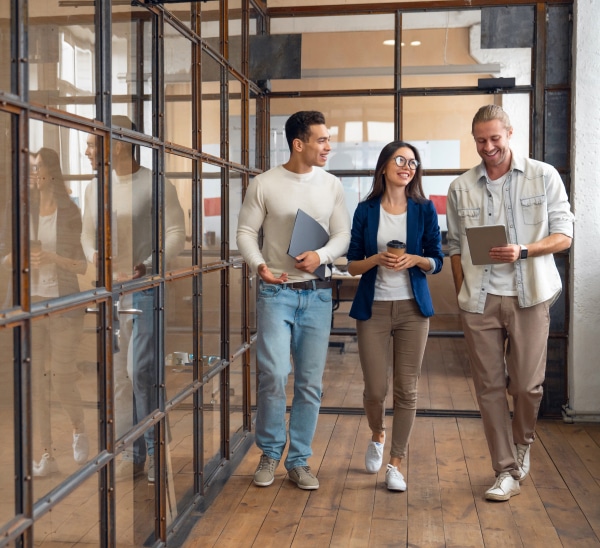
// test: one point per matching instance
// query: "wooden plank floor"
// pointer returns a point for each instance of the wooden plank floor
(447, 472)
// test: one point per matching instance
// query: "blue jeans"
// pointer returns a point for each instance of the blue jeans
(295, 322)
(136, 373)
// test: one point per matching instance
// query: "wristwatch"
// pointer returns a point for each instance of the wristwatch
(524, 252)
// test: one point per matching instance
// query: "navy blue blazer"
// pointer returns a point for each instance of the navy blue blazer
(423, 238)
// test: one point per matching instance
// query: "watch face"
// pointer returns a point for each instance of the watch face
(524, 253)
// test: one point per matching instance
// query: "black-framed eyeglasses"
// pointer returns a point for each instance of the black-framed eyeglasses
(401, 161)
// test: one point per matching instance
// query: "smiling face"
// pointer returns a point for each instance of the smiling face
(314, 151)
(396, 176)
(492, 139)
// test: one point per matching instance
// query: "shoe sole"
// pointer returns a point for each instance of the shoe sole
(263, 483)
(501, 498)
(304, 487)
(395, 489)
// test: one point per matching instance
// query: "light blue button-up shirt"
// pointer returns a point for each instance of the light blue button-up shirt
(536, 205)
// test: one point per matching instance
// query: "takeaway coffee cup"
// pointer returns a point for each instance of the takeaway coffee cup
(396, 247)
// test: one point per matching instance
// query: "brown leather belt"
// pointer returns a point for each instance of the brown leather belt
(310, 284)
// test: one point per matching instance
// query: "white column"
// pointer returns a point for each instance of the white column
(584, 341)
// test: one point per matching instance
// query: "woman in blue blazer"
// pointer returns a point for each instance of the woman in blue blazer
(392, 305)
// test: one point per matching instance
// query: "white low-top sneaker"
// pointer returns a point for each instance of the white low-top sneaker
(45, 467)
(81, 448)
(374, 456)
(394, 480)
(505, 487)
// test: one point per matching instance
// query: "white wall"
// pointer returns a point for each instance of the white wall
(584, 346)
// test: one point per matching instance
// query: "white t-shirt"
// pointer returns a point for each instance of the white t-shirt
(44, 281)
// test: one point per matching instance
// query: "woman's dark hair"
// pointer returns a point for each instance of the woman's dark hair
(414, 189)
(51, 162)
(298, 125)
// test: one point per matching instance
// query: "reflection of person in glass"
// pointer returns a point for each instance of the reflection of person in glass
(56, 259)
(392, 302)
(135, 364)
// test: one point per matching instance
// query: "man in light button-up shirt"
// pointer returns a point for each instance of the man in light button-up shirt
(505, 304)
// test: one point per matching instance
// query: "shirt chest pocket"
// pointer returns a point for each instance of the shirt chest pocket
(469, 216)
(534, 209)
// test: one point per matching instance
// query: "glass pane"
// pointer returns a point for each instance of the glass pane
(211, 316)
(211, 420)
(209, 12)
(359, 127)
(211, 213)
(64, 387)
(253, 160)
(131, 56)
(234, 21)
(135, 502)
(211, 106)
(178, 203)
(235, 121)
(356, 56)
(132, 204)
(136, 369)
(59, 174)
(75, 521)
(62, 56)
(180, 455)
(179, 335)
(236, 397)
(236, 335)
(445, 49)
(178, 88)
(6, 208)
(7, 412)
(5, 49)
(441, 127)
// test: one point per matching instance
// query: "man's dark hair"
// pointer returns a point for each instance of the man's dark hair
(298, 125)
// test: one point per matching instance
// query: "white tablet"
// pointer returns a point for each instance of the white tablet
(481, 239)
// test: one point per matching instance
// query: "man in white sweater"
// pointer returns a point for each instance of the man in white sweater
(294, 306)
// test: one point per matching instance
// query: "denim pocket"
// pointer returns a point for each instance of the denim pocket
(534, 209)
(268, 291)
(469, 217)
(325, 295)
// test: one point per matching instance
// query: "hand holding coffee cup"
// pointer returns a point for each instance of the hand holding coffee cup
(396, 247)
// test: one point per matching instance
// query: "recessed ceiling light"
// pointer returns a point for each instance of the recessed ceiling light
(389, 42)
(415, 43)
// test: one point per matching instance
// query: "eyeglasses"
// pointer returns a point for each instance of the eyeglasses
(401, 161)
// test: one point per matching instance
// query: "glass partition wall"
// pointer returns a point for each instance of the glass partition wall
(129, 133)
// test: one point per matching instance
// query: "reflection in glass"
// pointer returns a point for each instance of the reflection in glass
(136, 380)
(235, 120)
(135, 506)
(64, 388)
(180, 454)
(75, 521)
(211, 314)
(211, 106)
(211, 420)
(7, 416)
(178, 88)
(179, 335)
(132, 76)
(178, 204)
(56, 254)
(6, 216)
(211, 213)
(61, 57)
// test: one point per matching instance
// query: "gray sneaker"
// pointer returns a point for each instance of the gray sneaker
(303, 478)
(265, 472)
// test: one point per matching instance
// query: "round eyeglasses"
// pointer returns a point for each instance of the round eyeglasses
(401, 161)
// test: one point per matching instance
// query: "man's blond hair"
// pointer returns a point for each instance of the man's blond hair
(488, 113)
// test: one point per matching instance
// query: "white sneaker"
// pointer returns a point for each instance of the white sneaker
(394, 479)
(374, 456)
(81, 448)
(523, 460)
(505, 487)
(45, 467)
